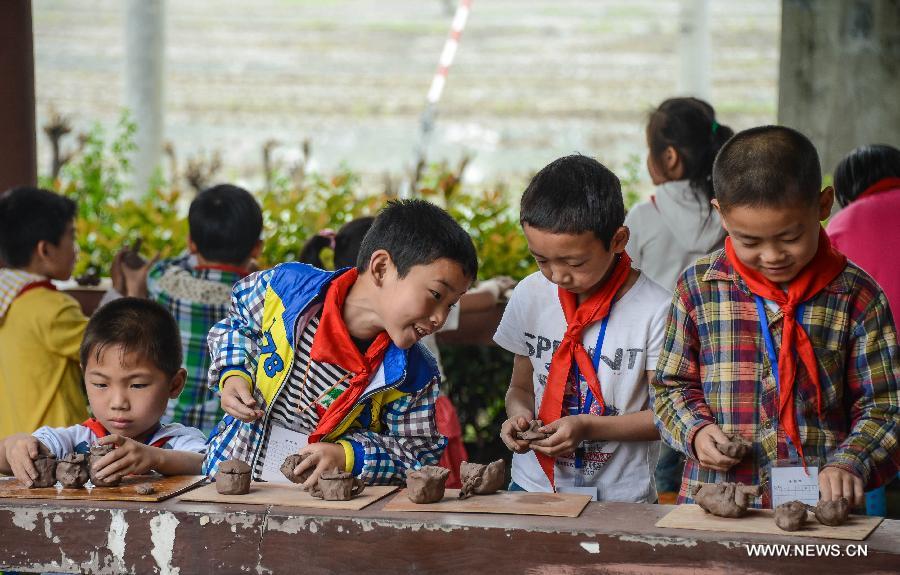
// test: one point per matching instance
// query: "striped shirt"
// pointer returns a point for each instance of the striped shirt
(311, 387)
(714, 369)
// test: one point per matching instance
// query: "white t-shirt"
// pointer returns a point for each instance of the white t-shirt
(62, 441)
(533, 326)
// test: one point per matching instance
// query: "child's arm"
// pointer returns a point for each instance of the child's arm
(870, 454)
(519, 404)
(133, 458)
(17, 454)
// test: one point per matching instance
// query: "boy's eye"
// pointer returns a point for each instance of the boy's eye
(578, 265)
(99, 385)
(436, 295)
(139, 385)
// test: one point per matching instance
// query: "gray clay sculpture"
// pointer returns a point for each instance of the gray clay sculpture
(790, 516)
(97, 452)
(337, 486)
(72, 470)
(481, 479)
(45, 464)
(532, 433)
(736, 446)
(726, 499)
(426, 485)
(290, 463)
(233, 478)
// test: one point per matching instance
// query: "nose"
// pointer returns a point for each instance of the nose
(118, 400)
(439, 316)
(772, 256)
(559, 275)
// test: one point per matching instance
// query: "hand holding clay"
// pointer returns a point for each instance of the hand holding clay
(510, 428)
(233, 478)
(481, 479)
(238, 401)
(72, 470)
(128, 458)
(726, 499)
(790, 516)
(832, 513)
(566, 434)
(290, 465)
(319, 458)
(337, 486)
(427, 484)
(835, 483)
(707, 453)
(532, 432)
(96, 462)
(736, 447)
(21, 451)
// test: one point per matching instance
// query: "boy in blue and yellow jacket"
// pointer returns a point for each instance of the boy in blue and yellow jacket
(334, 357)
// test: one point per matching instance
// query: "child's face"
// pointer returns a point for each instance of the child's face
(59, 260)
(776, 241)
(417, 305)
(575, 262)
(127, 392)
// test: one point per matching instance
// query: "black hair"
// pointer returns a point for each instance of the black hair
(346, 243)
(140, 326)
(28, 216)
(767, 166)
(226, 223)
(862, 168)
(572, 195)
(415, 232)
(688, 125)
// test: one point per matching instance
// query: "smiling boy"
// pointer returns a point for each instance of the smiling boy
(333, 357)
(778, 338)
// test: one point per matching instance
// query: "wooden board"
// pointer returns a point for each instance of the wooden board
(165, 487)
(287, 494)
(506, 502)
(690, 516)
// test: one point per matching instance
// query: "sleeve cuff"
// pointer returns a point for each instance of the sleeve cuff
(354, 456)
(236, 371)
(692, 433)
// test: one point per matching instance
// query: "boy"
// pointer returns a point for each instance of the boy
(586, 332)
(225, 223)
(40, 328)
(778, 338)
(132, 365)
(329, 361)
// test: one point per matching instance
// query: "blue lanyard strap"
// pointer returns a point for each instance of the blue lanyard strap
(589, 396)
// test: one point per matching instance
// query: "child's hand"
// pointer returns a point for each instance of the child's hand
(567, 434)
(508, 432)
(128, 458)
(707, 453)
(324, 457)
(835, 483)
(237, 400)
(21, 452)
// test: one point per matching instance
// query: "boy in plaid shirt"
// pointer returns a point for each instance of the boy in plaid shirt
(778, 338)
(225, 224)
(334, 356)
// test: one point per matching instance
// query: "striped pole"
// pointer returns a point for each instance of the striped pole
(426, 124)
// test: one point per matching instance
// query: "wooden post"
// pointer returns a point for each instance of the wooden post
(18, 155)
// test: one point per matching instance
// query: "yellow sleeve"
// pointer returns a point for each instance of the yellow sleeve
(65, 331)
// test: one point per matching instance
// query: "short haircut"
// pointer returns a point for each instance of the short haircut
(140, 326)
(226, 223)
(768, 166)
(28, 216)
(415, 232)
(862, 168)
(573, 195)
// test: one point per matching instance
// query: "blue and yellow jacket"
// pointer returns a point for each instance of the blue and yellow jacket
(390, 429)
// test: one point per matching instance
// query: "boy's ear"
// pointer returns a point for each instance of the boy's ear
(715, 204)
(826, 201)
(176, 384)
(257, 249)
(619, 240)
(380, 263)
(192, 247)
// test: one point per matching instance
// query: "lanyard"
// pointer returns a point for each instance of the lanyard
(589, 396)
(770, 348)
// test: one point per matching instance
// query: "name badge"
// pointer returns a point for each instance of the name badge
(791, 483)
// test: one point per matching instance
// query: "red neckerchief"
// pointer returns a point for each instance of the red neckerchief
(101, 431)
(571, 350)
(826, 265)
(243, 272)
(882, 185)
(34, 285)
(333, 344)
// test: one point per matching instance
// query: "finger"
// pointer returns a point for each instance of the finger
(33, 449)
(716, 434)
(235, 407)
(824, 487)
(834, 483)
(118, 468)
(319, 470)
(859, 492)
(303, 466)
(245, 396)
(521, 423)
(847, 488)
(108, 459)
(114, 439)
(21, 472)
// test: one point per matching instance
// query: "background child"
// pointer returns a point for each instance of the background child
(40, 328)
(826, 390)
(589, 355)
(225, 223)
(132, 365)
(867, 185)
(678, 224)
(330, 358)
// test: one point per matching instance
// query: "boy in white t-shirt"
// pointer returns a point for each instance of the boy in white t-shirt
(131, 356)
(587, 316)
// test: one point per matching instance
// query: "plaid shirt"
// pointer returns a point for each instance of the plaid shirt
(714, 369)
(404, 434)
(197, 298)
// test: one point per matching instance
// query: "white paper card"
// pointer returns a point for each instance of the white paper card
(592, 491)
(793, 484)
(282, 442)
